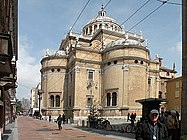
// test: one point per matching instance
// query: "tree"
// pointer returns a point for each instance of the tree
(25, 104)
(95, 107)
(19, 107)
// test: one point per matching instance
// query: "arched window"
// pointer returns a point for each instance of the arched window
(95, 28)
(57, 101)
(106, 26)
(108, 99)
(114, 99)
(52, 101)
(90, 30)
(100, 26)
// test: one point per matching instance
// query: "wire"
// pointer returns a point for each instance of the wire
(146, 16)
(107, 4)
(174, 3)
(93, 21)
(124, 21)
(79, 15)
(135, 12)
(76, 21)
(70, 31)
(140, 20)
(24, 86)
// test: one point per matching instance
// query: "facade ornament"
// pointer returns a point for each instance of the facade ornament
(125, 67)
(146, 43)
(47, 52)
(77, 69)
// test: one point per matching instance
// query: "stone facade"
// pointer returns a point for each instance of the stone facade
(174, 94)
(103, 69)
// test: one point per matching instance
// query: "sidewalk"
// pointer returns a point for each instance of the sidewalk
(41, 129)
(11, 131)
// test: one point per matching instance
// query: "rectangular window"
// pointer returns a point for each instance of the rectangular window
(177, 84)
(149, 81)
(177, 93)
(90, 75)
(89, 101)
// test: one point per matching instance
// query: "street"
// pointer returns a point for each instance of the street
(29, 128)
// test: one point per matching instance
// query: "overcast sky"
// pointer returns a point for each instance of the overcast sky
(44, 23)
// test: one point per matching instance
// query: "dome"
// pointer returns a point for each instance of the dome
(101, 22)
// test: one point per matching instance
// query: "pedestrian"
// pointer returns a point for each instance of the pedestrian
(173, 125)
(128, 117)
(63, 118)
(132, 116)
(59, 122)
(152, 128)
(162, 117)
(49, 118)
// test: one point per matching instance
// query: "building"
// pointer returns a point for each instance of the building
(8, 58)
(174, 94)
(104, 70)
(33, 101)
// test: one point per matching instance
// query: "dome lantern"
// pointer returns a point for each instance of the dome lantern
(101, 22)
(102, 13)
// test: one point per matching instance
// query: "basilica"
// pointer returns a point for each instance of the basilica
(102, 70)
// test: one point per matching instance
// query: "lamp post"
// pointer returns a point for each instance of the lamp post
(90, 117)
(39, 97)
(90, 85)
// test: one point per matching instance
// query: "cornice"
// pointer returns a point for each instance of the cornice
(53, 57)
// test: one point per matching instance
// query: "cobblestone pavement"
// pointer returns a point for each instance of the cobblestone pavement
(34, 129)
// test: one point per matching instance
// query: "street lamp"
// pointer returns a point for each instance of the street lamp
(90, 85)
(39, 96)
(90, 117)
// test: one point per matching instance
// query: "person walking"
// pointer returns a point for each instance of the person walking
(128, 117)
(59, 122)
(63, 118)
(152, 129)
(49, 118)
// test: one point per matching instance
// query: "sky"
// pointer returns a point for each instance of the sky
(42, 24)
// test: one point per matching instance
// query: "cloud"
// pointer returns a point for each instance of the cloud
(176, 56)
(177, 49)
(28, 69)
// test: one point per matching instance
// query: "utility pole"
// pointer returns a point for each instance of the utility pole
(184, 71)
